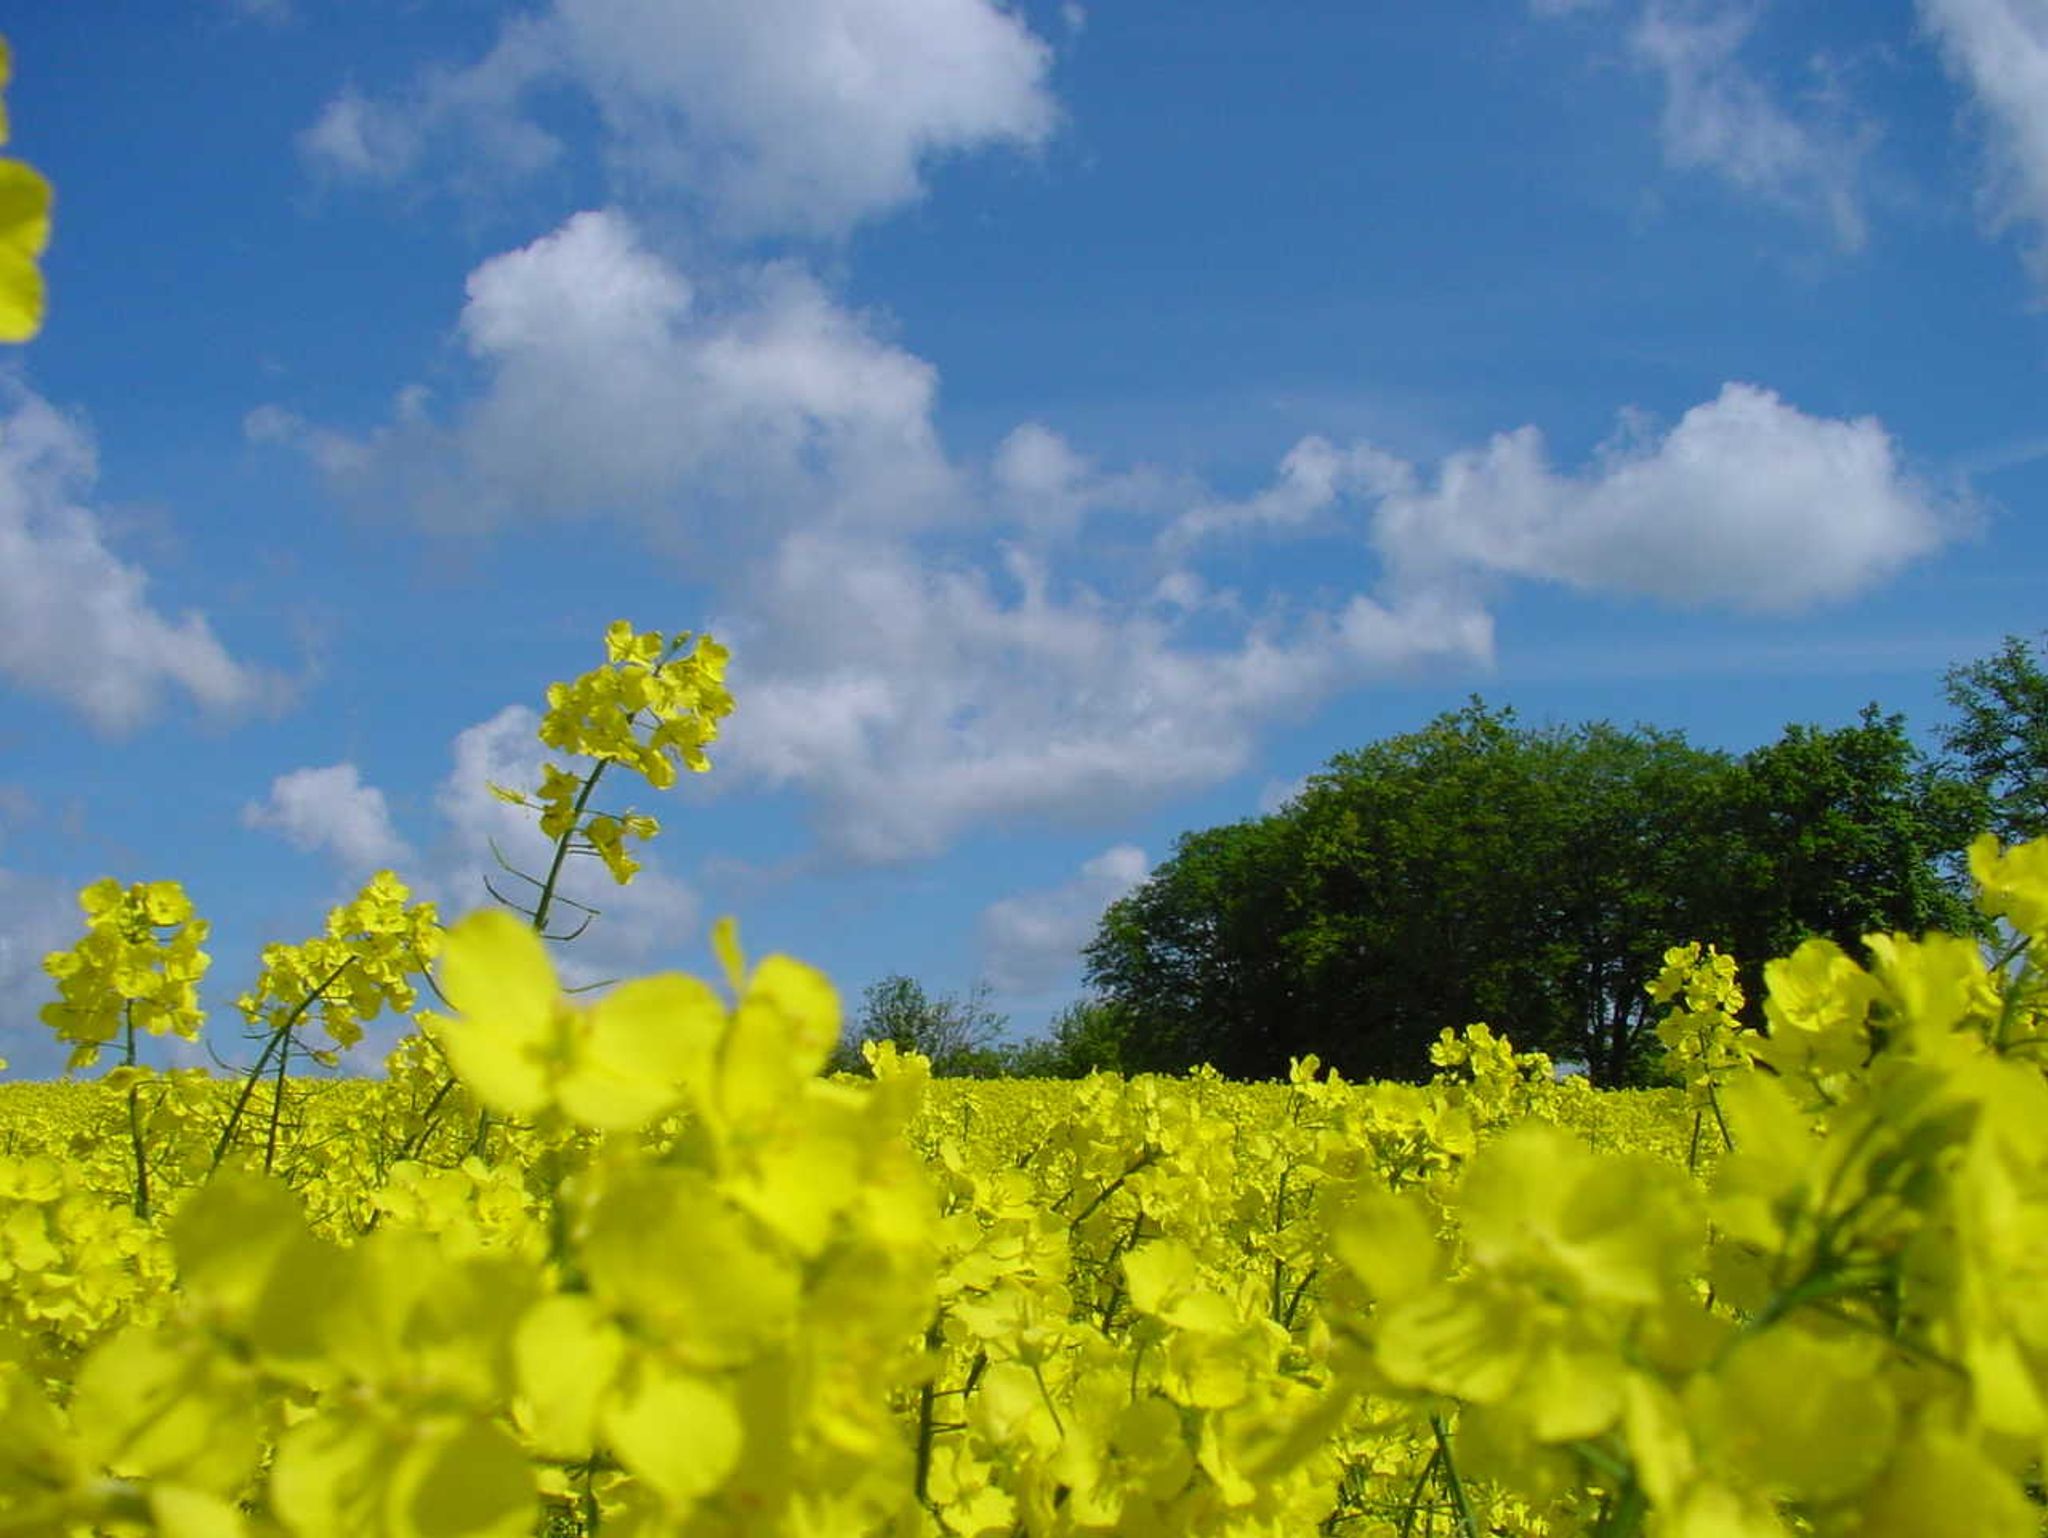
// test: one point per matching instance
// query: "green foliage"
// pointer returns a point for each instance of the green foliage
(1192, 959)
(1479, 870)
(1998, 743)
(959, 1037)
(1843, 833)
(1086, 1037)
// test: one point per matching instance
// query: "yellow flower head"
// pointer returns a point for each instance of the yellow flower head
(524, 1050)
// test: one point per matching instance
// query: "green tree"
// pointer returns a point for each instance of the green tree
(1193, 959)
(1622, 857)
(1481, 870)
(1998, 742)
(1843, 833)
(959, 1038)
(1086, 1037)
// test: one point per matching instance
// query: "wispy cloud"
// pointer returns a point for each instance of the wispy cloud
(1275, 794)
(1720, 117)
(1998, 50)
(75, 622)
(1031, 944)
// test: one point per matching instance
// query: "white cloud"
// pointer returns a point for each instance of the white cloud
(910, 699)
(1313, 476)
(1998, 49)
(1043, 488)
(38, 914)
(913, 703)
(1040, 481)
(612, 388)
(332, 809)
(1747, 502)
(803, 116)
(1719, 117)
(75, 624)
(1031, 944)
(359, 138)
(353, 138)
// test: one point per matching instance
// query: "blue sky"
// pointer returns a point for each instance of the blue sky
(1079, 421)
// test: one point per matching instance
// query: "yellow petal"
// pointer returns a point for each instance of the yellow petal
(494, 968)
(566, 1353)
(470, 1481)
(675, 1430)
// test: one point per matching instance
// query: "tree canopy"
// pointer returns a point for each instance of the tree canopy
(1998, 742)
(959, 1037)
(1482, 870)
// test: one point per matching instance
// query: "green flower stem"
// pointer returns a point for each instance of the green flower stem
(547, 890)
(540, 911)
(1116, 1185)
(284, 1056)
(592, 1514)
(418, 1140)
(1414, 1502)
(1468, 1525)
(934, 1337)
(135, 1122)
(227, 1136)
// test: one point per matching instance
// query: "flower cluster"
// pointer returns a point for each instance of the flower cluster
(359, 967)
(1614, 1341)
(596, 715)
(1703, 1039)
(120, 974)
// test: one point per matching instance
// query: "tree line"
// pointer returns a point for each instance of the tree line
(1482, 869)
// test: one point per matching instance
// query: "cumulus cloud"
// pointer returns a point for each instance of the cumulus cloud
(1998, 50)
(332, 809)
(1719, 117)
(610, 386)
(804, 116)
(913, 702)
(1031, 944)
(1747, 502)
(75, 622)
